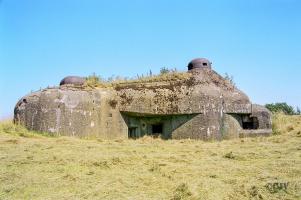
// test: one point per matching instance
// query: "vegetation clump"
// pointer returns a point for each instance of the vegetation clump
(283, 108)
(230, 78)
(11, 128)
(182, 192)
(166, 74)
(229, 155)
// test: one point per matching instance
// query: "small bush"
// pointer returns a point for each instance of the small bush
(93, 81)
(230, 78)
(164, 70)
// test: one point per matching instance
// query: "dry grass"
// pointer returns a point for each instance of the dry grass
(39, 167)
(6, 126)
(284, 124)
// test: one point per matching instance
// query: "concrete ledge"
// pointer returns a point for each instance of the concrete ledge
(255, 133)
(238, 108)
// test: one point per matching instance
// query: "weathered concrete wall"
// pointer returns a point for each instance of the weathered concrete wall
(203, 126)
(263, 115)
(202, 92)
(68, 111)
(231, 126)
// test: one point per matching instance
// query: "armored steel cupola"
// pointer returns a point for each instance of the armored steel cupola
(72, 80)
(199, 63)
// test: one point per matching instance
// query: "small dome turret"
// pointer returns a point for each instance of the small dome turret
(199, 63)
(73, 80)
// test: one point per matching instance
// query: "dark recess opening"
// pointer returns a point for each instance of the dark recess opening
(251, 123)
(157, 129)
(204, 64)
(132, 132)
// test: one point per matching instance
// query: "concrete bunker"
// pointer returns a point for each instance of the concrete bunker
(198, 104)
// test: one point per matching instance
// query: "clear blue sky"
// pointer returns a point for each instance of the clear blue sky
(256, 41)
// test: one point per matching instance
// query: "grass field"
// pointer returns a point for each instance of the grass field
(34, 166)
